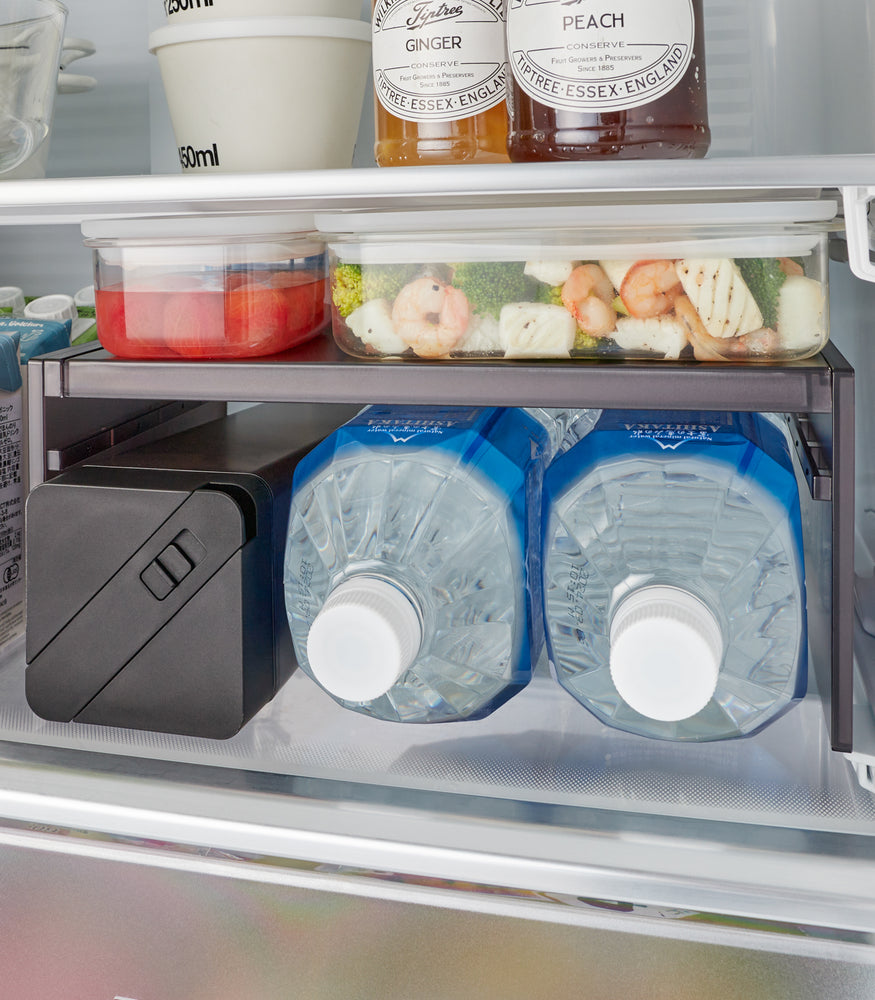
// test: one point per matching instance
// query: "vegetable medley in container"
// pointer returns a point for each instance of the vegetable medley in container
(713, 293)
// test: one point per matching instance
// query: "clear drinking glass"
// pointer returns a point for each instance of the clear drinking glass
(31, 36)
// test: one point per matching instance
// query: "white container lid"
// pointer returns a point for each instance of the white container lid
(365, 637)
(581, 232)
(57, 307)
(12, 297)
(261, 27)
(199, 228)
(557, 246)
(613, 216)
(666, 651)
(85, 297)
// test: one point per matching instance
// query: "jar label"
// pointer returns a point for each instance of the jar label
(585, 56)
(439, 60)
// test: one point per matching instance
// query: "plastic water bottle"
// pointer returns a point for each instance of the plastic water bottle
(411, 567)
(674, 587)
(565, 427)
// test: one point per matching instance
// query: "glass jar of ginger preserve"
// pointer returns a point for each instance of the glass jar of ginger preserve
(440, 81)
(623, 79)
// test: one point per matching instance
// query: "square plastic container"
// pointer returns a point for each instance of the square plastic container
(731, 282)
(207, 287)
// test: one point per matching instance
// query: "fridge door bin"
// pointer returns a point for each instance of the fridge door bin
(161, 609)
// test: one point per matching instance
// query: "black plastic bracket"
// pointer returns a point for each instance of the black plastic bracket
(812, 457)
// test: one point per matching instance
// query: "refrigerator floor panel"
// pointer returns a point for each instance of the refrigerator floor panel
(540, 747)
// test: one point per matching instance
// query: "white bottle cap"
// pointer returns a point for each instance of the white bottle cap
(59, 307)
(666, 651)
(364, 638)
(85, 297)
(12, 297)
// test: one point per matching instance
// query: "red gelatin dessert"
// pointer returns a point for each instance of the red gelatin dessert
(207, 287)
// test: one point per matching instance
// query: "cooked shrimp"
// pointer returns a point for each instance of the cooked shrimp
(763, 344)
(790, 266)
(430, 316)
(595, 317)
(587, 295)
(704, 345)
(650, 288)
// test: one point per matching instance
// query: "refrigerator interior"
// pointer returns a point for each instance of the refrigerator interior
(538, 810)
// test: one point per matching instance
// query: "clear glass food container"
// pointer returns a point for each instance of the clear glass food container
(207, 287)
(732, 282)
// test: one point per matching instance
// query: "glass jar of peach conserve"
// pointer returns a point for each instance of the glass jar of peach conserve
(587, 84)
(440, 82)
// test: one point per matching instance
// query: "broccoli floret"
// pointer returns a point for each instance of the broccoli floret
(619, 307)
(549, 295)
(385, 281)
(355, 284)
(764, 276)
(490, 285)
(346, 288)
(585, 343)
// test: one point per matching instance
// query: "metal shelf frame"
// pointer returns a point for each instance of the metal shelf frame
(319, 372)
(66, 390)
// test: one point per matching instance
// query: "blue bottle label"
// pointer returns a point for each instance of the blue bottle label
(402, 426)
(670, 437)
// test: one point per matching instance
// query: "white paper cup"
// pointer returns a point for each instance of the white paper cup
(264, 94)
(179, 11)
